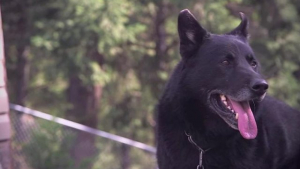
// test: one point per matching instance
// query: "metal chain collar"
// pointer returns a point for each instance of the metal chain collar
(201, 151)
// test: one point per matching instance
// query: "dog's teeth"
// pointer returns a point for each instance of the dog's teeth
(223, 98)
(225, 102)
(236, 116)
(232, 111)
(228, 107)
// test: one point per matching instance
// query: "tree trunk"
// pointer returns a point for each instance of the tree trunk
(125, 159)
(160, 50)
(18, 35)
(161, 57)
(22, 74)
(160, 33)
(85, 101)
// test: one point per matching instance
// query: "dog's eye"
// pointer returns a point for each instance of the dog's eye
(228, 60)
(225, 62)
(253, 64)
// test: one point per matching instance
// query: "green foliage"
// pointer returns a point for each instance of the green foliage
(111, 154)
(49, 147)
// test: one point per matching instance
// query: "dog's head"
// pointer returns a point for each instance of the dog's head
(224, 69)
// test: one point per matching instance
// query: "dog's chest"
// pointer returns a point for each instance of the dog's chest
(234, 157)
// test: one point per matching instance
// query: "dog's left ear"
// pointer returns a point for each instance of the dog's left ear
(191, 33)
(242, 29)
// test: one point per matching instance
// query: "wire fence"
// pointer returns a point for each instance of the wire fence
(42, 141)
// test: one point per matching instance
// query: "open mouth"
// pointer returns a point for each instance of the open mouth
(237, 114)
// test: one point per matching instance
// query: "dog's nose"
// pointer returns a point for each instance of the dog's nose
(260, 86)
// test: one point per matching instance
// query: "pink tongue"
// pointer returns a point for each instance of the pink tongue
(246, 121)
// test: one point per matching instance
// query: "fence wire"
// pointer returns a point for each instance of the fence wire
(41, 144)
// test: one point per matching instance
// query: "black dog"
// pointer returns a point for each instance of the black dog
(213, 113)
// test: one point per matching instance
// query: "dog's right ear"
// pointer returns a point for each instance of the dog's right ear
(191, 33)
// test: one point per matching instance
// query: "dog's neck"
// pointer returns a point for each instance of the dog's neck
(205, 135)
(207, 139)
(202, 127)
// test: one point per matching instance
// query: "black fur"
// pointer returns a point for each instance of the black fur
(185, 106)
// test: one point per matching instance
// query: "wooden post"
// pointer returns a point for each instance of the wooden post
(5, 133)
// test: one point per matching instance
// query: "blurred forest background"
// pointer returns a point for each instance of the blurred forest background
(104, 63)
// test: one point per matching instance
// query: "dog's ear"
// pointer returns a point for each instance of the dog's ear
(191, 33)
(242, 29)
